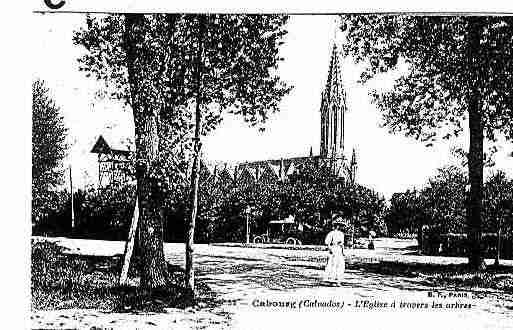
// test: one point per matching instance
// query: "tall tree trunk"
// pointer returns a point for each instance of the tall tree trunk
(475, 155)
(419, 237)
(154, 273)
(193, 198)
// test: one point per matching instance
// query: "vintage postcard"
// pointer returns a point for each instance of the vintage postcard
(273, 169)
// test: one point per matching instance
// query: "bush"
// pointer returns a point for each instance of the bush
(56, 220)
(103, 213)
(455, 245)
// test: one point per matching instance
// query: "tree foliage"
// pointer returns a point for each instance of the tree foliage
(446, 199)
(498, 203)
(404, 215)
(441, 204)
(429, 102)
(48, 150)
(312, 195)
(458, 68)
(239, 70)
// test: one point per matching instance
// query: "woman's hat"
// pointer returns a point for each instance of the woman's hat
(338, 221)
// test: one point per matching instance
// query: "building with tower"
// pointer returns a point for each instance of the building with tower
(113, 162)
(332, 112)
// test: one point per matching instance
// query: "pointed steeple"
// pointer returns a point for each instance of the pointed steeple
(333, 74)
(353, 166)
(353, 157)
(333, 108)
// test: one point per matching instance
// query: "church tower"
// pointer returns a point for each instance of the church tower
(333, 107)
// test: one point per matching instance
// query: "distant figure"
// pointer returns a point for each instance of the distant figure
(372, 234)
(336, 266)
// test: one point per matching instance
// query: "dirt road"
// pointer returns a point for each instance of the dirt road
(278, 288)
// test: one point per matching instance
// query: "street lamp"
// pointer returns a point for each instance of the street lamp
(72, 203)
(248, 211)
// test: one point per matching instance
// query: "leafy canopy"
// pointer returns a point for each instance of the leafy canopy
(48, 149)
(429, 102)
(239, 67)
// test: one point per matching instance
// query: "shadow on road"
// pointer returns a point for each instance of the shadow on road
(229, 272)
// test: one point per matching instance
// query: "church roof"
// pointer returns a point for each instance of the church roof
(277, 167)
(103, 147)
(277, 162)
(252, 172)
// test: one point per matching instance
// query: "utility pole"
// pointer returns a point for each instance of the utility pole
(72, 204)
(248, 210)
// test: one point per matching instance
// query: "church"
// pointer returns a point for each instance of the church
(112, 161)
(332, 112)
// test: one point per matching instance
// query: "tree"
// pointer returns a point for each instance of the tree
(48, 149)
(311, 187)
(459, 68)
(445, 199)
(498, 192)
(363, 206)
(164, 66)
(498, 203)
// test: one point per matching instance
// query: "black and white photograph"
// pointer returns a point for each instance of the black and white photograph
(270, 170)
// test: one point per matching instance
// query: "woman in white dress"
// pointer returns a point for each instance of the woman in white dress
(336, 266)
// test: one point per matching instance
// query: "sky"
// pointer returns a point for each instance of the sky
(387, 163)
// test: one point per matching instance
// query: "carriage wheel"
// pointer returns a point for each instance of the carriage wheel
(290, 241)
(258, 240)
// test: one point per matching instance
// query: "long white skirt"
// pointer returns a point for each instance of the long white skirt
(336, 266)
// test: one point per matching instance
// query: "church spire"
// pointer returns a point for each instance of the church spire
(333, 107)
(333, 72)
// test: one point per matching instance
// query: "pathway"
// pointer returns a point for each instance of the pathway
(256, 284)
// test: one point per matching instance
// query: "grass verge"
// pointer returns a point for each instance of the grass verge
(453, 276)
(61, 281)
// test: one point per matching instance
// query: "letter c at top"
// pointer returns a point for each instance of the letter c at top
(52, 5)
